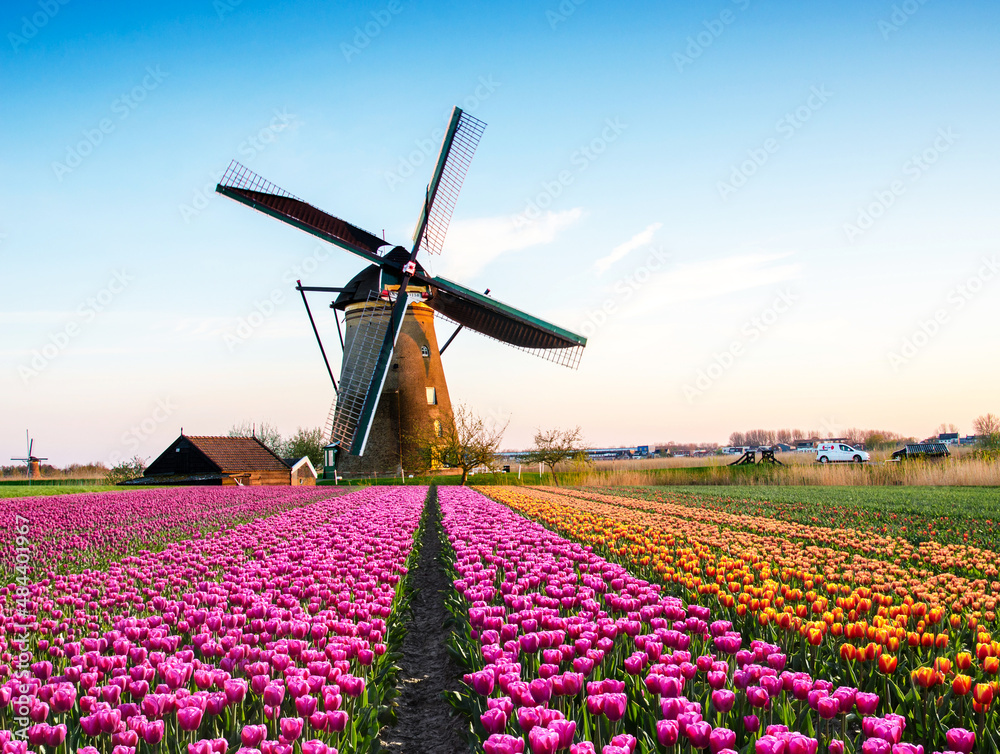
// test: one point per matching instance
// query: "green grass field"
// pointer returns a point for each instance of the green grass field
(23, 490)
(970, 502)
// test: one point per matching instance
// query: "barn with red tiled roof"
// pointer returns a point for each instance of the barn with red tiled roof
(210, 460)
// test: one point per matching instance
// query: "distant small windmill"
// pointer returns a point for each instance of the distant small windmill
(31, 461)
(391, 376)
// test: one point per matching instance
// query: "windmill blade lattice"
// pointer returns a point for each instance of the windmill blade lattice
(245, 186)
(567, 356)
(457, 150)
(503, 323)
(358, 376)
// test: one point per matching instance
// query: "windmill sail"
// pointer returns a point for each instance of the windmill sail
(358, 377)
(247, 187)
(503, 322)
(457, 149)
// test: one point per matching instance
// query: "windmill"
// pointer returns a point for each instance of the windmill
(391, 377)
(32, 462)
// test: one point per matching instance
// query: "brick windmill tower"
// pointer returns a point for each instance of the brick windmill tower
(392, 390)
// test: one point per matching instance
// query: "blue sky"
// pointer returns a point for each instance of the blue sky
(762, 214)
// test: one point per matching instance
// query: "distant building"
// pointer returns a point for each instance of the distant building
(207, 460)
(302, 470)
(949, 438)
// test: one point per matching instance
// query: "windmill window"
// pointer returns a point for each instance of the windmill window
(425, 352)
(432, 396)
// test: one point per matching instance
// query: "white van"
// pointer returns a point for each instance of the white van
(832, 452)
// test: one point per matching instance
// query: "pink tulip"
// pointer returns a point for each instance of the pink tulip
(828, 707)
(769, 744)
(64, 698)
(189, 718)
(235, 690)
(153, 732)
(626, 741)
(306, 705)
(799, 744)
(274, 695)
(721, 738)
(699, 734)
(494, 720)
(960, 739)
(482, 682)
(55, 735)
(528, 718)
(667, 732)
(501, 743)
(541, 690)
(336, 721)
(723, 700)
(866, 703)
(252, 735)
(543, 741)
(614, 706)
(566, 730)
(291, 727)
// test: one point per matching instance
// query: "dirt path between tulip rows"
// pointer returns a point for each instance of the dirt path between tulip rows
(426, 722)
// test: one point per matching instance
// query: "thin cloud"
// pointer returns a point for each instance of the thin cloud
(715, 278)
(472, 244)
(635, 242)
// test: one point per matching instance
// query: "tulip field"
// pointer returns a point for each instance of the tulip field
(270, 627)
(659, 622)
(612, 621)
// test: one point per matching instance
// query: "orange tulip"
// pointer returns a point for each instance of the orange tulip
(926, 678)
(942, 665)
(962, 685)
(887, 664)
(991, 665)
(982, 693)
(848, 652)
(963, 660)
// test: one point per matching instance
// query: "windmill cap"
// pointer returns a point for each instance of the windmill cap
(368, 282)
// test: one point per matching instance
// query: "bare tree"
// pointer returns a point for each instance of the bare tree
(553, 446)
(760, 437)
(465, 443)
(856, 436)
(945, 429)
(737, 439)
(266, 432)
(987, 425)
